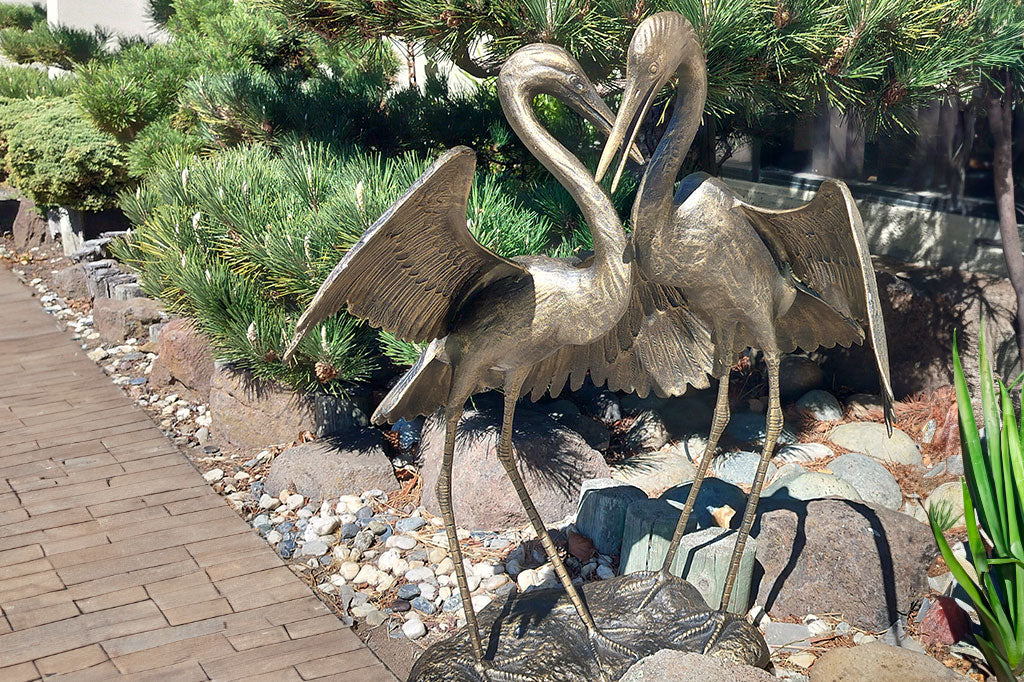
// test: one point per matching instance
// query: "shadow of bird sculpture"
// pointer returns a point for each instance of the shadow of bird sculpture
(529, 324)
(770, 280)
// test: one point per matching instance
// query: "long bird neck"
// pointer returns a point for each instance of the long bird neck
(609, 237)
(653, 204)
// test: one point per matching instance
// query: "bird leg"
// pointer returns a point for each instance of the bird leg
(444, 501)
(505, 456)
(774, 428)
(718, 423)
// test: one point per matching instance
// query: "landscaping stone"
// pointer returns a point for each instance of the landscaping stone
(876, 661)
(714, 494)
(30, 228)
(787, 637)
(184, 357)
(329, 467)
(602, 511)
(872, 439)
(749, 427)
(798, 374)
(648, 432)
(118, 321)
(669, 664)
(553, 460)
(944, 623)
(803, 452)
(703, 557)
(414, 628)
(863, 561)
(255, 414)
(739, 467)
(72, 283)
(872, 481)
(952, 494)
(653, 472)
(821, 405)
(811, 485)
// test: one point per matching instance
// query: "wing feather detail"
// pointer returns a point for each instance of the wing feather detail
(825, 245)
(414, 267)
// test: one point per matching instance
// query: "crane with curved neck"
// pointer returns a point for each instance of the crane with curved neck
(770, 280)
(419, 273)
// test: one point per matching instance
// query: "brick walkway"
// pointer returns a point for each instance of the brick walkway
(116, 558)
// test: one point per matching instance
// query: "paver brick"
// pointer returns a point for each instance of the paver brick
(70, 661)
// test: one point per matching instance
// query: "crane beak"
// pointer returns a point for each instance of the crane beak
(590, 106)
(636, 102)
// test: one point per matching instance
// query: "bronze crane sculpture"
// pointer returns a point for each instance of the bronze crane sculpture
(528, 324)
(770, 280)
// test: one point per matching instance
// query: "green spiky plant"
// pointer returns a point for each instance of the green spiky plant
(993, 491)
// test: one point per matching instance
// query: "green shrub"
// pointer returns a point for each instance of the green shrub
(56, 156)
(159, 137)
(241, 240)
(21, 82)
(61, 46)
(129, 92)
(20, 16)
(993, 493)
(13, 111)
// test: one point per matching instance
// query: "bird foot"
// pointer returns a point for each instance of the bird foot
(662, 581)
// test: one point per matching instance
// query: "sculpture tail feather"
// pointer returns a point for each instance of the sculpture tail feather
(420, 392)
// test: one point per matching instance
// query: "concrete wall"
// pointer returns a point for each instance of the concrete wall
(908, 233)
(124, 17)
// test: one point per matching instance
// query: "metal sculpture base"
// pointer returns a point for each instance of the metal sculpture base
(538, 635)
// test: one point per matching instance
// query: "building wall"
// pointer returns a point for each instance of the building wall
(124, 17)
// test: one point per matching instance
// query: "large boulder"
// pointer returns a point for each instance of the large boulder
(253, 414)
(334, 466)
(553, 460)
(184, 357)
(865, 562)
(30, 227)
(669, 664)
(876, 662)
(118, 321)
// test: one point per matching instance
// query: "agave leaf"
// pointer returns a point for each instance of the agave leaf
(978, 556)
(975, 470)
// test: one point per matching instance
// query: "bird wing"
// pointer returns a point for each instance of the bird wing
(658, 344)
(823, 242)
(415, 266)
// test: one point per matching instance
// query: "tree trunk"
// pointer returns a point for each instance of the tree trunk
(1000, 119)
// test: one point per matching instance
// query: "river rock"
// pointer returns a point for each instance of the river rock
(669, 664)
(865, 562)
(329, 467)
(797, 453)
(871, 439)
(811, 485)
(951, 493)
(872, 481)
(798, 374)
(552, 459)
(749, 427)
(739, 467)
(876, 661)
(653, 472)
(648, 432)
(72, 282)
(714, 494)
(821, 405)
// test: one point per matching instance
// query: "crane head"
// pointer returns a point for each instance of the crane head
(543, 68)
(659, 45)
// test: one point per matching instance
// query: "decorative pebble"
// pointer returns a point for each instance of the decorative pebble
(428, 591)
(405, 542)
(424, 606)
(293, 502)
(314, 548)
(349, 570)
(446, 566)
(213, 475)
(410, 525)
(414, 628)
(408, 591)
(367, 575)
(400, 606)
(418, 575)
